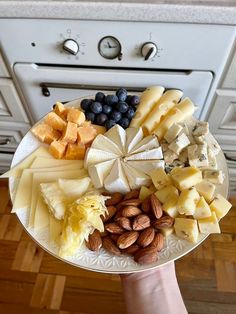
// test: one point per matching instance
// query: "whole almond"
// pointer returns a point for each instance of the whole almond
(131, 249)
(156, 206)
(163, 222)
(127, 239)
(118, 214)
(113, 227)
(141, 222)
(146, 237)
(111, 210)
(94, 241)
(131, 194)
(131, 202)
(115, 199)
(104, 233)
(124, 223)
(146, 205)
(110, 246)
(147, 255)
(158, 242)
(114, 237)
(131, 211)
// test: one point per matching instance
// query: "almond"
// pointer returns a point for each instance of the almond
(118, 214)
(110, 246)
(156, 206)
(158, 242)
(131, 194)
(147, 255)
(104, 233)
(115, 199)
(124, 223)
(111, 210)
(127, 239)
(131, 202)
(146, 205)
(114, 237)
(141, 222)
(94, 241)
(113, 227)
(163, 222)
(132, 249)
(146, 237)
(131, 211)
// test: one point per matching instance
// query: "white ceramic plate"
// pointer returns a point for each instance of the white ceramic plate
(102, 261)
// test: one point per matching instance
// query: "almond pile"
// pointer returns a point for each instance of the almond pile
(133, 227)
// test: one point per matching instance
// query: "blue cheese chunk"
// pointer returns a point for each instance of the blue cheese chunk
(214, 176)
(169, 156)
(179, 143)
(197, 155)
(173, 132)
(212, 163)
(200, 128)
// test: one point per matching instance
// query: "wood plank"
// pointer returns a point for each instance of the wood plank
(15, 292)
(8, 308)
(10, 229)
(210, 308)
(225, 275)
(4, 197)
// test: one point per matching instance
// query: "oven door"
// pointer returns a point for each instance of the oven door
(42, 86)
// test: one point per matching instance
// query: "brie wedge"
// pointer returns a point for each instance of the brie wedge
(107, 145)
(118, 136)
(94, 156)
(116, 180)
(133, 137)
(148, 142)
(155, 153)
(99, 172)
(146, 165)
(136, 178)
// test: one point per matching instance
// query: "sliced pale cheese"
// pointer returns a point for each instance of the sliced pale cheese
(136, 178)
(16, 171)
(104, 143)
(173, 132)
(99, 172)
(42, 162)
(147, 165)
(74, 188)
(147, 101)
(148, 142)
(95, 156)
(187, 107)
(155, 153)
(117, 135)
(165, 103)
(41, 218)
(133, 137)
(116, 181)
(55, 229)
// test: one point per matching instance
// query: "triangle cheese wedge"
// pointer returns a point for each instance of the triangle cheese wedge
(133, 137)
(155, 153)
(136, 178)
(104, 143)
(146, 165)
(99, 172)
(148, 142)
(116, 181)
(95, 156)
(117, 135)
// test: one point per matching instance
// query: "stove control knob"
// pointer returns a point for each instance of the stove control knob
(71, 46)
(148, 50)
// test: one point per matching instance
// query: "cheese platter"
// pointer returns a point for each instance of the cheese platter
(120, 196)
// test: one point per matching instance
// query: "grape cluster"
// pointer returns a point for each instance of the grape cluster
(107, 110)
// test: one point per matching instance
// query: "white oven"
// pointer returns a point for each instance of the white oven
(53, 60)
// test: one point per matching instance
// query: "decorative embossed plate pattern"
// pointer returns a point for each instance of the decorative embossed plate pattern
(102, 261)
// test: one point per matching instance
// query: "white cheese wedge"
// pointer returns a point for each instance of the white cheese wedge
(147, 143)
(187, 201)
(133, 137)
(220, 206)
(147, 166)
(202, 209)
(197, 155)
(106, 144)
(95, 156)
(136, 178)
(99, 172)
(209, 224)
(155, 153)
(173, 132)
(116, 181)
(179, 143)
(186, 229)
(74, 188)
(214, 176)
(117, 135)
(206, 189)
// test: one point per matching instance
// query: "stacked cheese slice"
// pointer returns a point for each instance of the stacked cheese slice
(121, 160)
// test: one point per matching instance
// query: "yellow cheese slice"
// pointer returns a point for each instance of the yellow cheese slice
(147, 101)
(16, 171)
(187, 107)
(41, 219)
(42, 162)
(55, 229)
(161, 108)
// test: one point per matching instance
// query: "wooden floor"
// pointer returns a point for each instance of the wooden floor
(32, 281)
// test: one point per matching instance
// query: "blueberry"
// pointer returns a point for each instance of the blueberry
(122, 106)
(99, 97)
(128, 99)
(121, 94)
(130, 113)
(85, 104)
(134, 100)
(115, 115)
(111, 100)
(124, 122)
(106, 109)
(101, 118)
(109, 124)
(96, 107)
(90, 116)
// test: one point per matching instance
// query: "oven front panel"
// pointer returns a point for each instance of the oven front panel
(66, 84)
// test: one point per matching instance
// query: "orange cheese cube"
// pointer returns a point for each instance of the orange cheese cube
(55, 121)
(45, 133)
(76, 116)
(69, 134)
(99, 128)
(57, 149)
(86, 123)
(75, 151)
(59, 109)
(86, 134)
